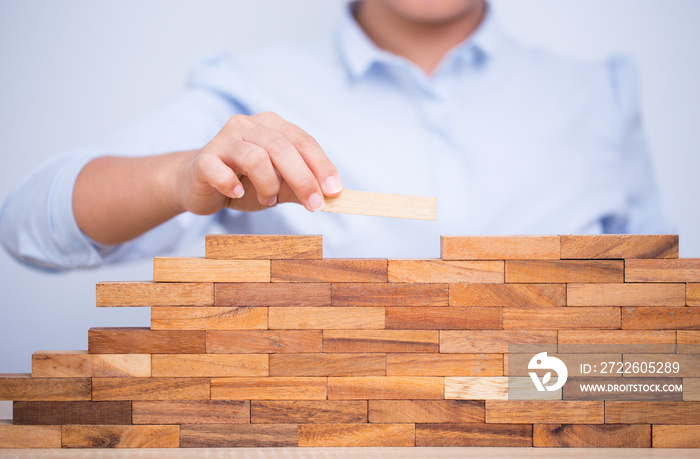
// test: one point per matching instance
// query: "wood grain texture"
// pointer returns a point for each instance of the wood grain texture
(329, 270)
(499, 247)
(365, 435)
(197, 365)
(476, 388)
(616, 341)
(385, 387)
(678, 270)
(660, 318)
(213, 318)
(210, 270)
(514, 295)
(541, 412)
(271, 294)
(517, 364)
(150, 388)
(76, 364)
(434, 271)
(16, 436)
(383, 205)
(573, 390)
(625, 294)
(497, 341)
(262, 247)
(268, 388)
(328, 365)
(264, 341)
(557, 318)
(688, 341)
(443, 318)
(22, 387)
(675, 436)
(412, 364)
(326, 318)
(692, 295)
(564, 271)
(380, 340)
(619, 246)
(463, 434)
(691, 389)
(591, 436)
(119, 294)
(424, 411)
(238, 435)
(191, 412)
(83, 412)
(308, 412)
(144, 436)
(378, 294)
(662, 412)
(145, 341)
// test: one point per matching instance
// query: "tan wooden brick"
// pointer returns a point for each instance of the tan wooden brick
(191, 412)
(263, 341)
(619, 246)
(536, 295)
(308, 412)
(443, 318)
(675, 436)
(495, 388)
(692, 295)
(434, 271)
(262, 246)
(383, 205)
(238, 435)
(76, 364)
(326, 318)
(150, 388)
(143, 436)
(385, 387)
(691, 389)
(213, 318)
(14, 436)
(497, 341)
(380, 341)
(328, 364)
(193, 365)
(423, 411)
(366, 435)
(688, 341)
(591, 436)
(110, 294)
(444, 364)
(625, 295)
(120, 340)
(540, 412)
(464, 434)
(271, 294)
(558, 318)
(499, 247)
(660, 318)
(210, 270)
(268, 388)
(330, 270)
(78, 412)
(378, 294)
(616, 341)
(661, 412)
(678, 270)
(22, 387)
(564, 271)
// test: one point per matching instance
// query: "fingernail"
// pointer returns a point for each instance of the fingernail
(238, 192)
(316, 202)
(272, 201)
(332, 185)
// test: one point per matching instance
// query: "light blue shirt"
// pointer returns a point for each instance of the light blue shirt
(511, 140)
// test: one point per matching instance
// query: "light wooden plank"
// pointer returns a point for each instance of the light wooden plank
(14, 436)
(365, 435)
(675, 436)
(591, 436)
(328, 365)
(383, 205)
(541, 412)
(143, 436)
(688, 341)
(381, 294)
(434, 271)
(329, 270)
(474, 435)
(642, 294)
(191, 412)
(326, 318)
(262, 246)
(692, 295)
(22, 387)
(529, 318)
(413, 364)
(76, 364)
(80, 412)
(616, 341)
(426, 411)
(495, 388)
(238, 436)
(124, 340)
(660, 412)
(660, 318)
(194, 365)
(268, 388)
(308, 411)
(272, 294)
(539, 295)
(678, 270)
(497, 341)
(210, 270)
(613, 246)
(120, 294)
(150, 388)
(380, 341)
(212, 318)
(264, 341)
(564, 271)
(385, 387)
(499, 247)
(444, 318)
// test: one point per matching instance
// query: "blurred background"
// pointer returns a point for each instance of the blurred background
(74, 71)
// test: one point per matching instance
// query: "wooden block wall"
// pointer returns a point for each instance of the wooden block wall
(263, 342)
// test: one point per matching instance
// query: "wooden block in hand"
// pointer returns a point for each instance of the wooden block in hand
(22, 387)
(150, 388)
(613, 246)
(564, 271)
(329, 270)
(238, 435)
(210, 270)
(76, 364)
(18, 436)
(380, 340)
(413, 364)
(617, 341)
(350, 435)
(556, 318)
(269, 388)
(328, 364)
(441, 271)
(145, 341)
(385, 387)
(82, 412)
(692, 295)
(473, 435)
(540, 412)
(591, 436)
(382, 205)
(679, 270)
(212, 318)
(660, 318)
(264, 341)
(382, 294)
(537, 295)
(194, 365)
(675, 436)
(272, 294)
(262, 246)
(308, 411)
(688, 341)
(143, 436)
(111, 294)
(497, 341)
(191, 412)
(652, 412)
(625, 295)
(424, 411)
(443, 318)
(326, 318)
(499, 247)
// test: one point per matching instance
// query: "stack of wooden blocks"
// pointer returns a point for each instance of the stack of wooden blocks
(265, 343)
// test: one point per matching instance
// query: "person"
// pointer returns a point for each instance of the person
(417, 97)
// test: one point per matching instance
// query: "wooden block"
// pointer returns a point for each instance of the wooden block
(264, 341)
(625, 295)
(150, 389)
(308, 412)
(385, 387)
(326, 318)
(380, 340)
(574, 388)
(268, 388)
(348, 435)
(145, 341)
(76, 364)
(383, 205)
(619, 246)
(541, 412)
(679, 270)
(688, 365)
(143, 436)
(328, 365)
(191, 412)
(14, 436)
(688, 341)
(591, 436)
(210, 270)
(22, 387)
(660, 318)
(476, 388)
(238, 435)
(617, 412)
(497, 341)
(443, 318)
(183, 365)
(692, 295)
(262, 247)
(440, 271)
(110, 294)
(691, 389)
(271, 294)
(377, 294)
(616, 341)
(213, 318)
(557, 318)
(444, 364)
(83, 412)
(517, 364)
(329, 270)
(461, 434)
(499, 247)
(422, 411)
(564, 271)
(675, 436)
(515, 295)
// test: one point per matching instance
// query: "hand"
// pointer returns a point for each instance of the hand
(253, 163)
